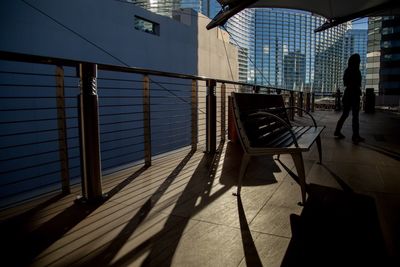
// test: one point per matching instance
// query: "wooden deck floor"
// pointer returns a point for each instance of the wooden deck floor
(181, 211)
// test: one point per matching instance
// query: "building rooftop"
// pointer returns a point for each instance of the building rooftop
(181, 211)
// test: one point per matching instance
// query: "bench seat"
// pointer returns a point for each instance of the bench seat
(264, 128)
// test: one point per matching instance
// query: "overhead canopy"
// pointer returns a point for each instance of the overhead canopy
(335, 11)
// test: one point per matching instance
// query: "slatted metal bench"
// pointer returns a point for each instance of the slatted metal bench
(264, 128)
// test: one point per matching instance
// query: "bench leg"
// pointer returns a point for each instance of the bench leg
(319, 148)
(299, 163)
(243, 168)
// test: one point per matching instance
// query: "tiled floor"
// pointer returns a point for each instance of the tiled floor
(181, 211)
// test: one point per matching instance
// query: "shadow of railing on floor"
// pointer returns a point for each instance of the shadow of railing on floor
(18, 237)
(108, 252)
(198, 187)
(161, 247)
(32, 243)
(22, 218)
(125, 182)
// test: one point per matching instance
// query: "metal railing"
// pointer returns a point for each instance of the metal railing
(65, 122)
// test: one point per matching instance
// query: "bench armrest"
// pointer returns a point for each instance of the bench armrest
(305, 111)
(284, 123)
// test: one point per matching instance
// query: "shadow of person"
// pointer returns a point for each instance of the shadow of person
(336, 228)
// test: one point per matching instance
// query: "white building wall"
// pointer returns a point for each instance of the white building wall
(217, 57)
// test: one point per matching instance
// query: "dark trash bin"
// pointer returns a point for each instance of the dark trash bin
(369, 102)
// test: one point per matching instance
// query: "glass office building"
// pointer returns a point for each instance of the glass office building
(374, 53)
(355, 41)
(276, 47)
(288, 54)
(241, 31)
(165, 7)
(383, 58)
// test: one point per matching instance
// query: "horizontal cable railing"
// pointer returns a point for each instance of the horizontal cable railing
(60, 123)
(30, 141)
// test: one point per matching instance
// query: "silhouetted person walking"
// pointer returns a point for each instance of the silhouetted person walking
(351, 98)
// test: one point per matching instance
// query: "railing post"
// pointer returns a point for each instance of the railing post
(223, 111)
(291, 104)
(211, 118)
(146, 120)
(308, 101)
(312, 102)
(89, 133)
(62, 130)
(194, 115)
(300, 104)
(256, 89)
(338, 102)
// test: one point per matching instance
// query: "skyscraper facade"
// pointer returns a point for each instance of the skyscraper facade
(288, 54)
(165, 7)
(383, 58)
(355, 41)
(241, 30)
(277, 47)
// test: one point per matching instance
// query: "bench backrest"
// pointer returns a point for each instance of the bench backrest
(252, 129)
(247, 102)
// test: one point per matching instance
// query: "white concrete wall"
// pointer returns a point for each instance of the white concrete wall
(217, 57)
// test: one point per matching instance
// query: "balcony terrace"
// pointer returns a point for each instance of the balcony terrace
(174, 207)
